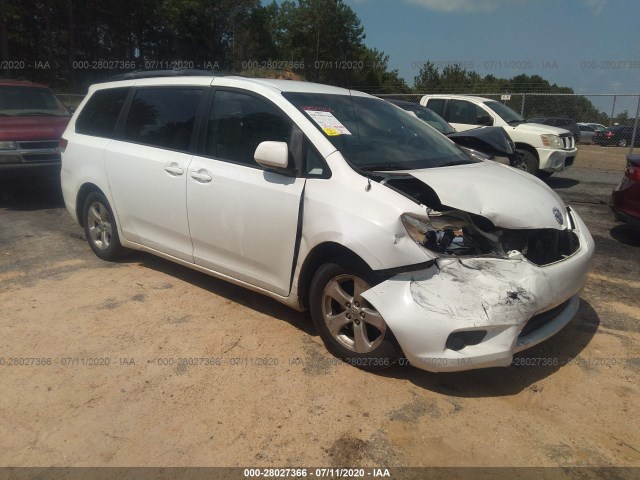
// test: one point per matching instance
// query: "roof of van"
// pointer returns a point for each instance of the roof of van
(203, 77)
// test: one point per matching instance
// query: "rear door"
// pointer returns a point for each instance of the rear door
(243, 219)
(147, 168)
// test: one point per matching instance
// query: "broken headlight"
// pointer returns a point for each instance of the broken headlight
(438, 232)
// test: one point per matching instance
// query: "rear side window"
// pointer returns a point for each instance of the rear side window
(100, 114)
(437, 105)
(238, 123)
(163, 117)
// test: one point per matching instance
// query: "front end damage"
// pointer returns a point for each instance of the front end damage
(508, 271)
(475, 312)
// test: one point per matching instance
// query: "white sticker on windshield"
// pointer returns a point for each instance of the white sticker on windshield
(327, 122)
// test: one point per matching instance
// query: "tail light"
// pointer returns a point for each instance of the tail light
(62, 144)
(609, 134)
(632, 173)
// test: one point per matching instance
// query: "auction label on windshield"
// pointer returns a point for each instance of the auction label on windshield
(327, 122)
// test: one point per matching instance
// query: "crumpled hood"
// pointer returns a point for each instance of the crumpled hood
(510, 198)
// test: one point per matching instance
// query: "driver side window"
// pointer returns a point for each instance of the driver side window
(238, 123)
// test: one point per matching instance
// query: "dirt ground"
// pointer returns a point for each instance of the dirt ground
(146, 363)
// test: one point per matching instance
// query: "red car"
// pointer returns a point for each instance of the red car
(32, 120)
(625, 199)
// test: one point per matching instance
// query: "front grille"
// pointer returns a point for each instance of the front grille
(42, 157)
(538, 321)
(38, 145)
(542, 247)
(38, 151)
(568, 140)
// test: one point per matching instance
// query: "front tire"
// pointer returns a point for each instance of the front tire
(529, 162)
(100, 227)
(349, 326)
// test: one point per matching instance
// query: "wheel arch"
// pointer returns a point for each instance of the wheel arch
(528, 148)
(319, 255)
(83, 193)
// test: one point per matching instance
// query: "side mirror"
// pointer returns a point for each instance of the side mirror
(272, 155)
(485, 120)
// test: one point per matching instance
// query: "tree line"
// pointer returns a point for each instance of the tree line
(70, 44)
(560, 101)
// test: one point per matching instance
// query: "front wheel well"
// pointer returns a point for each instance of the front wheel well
(528, 148)
(319, 255)
(83, 193)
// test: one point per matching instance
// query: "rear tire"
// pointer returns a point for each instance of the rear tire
(349, 326)
(100, 227)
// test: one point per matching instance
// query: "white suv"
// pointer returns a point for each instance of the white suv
(544, 149)
(397, 240)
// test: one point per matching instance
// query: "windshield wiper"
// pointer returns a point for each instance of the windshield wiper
(453, 163)
(383, 167)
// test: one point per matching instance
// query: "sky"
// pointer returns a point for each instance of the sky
(592, 46)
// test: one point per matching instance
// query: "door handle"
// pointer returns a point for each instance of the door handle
(174, 170)
(201, 176)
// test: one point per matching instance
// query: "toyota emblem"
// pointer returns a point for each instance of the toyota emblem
(558, 214)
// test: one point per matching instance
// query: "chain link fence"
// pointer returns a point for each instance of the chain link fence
(605, 109)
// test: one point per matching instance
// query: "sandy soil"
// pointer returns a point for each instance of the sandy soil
(145, 363)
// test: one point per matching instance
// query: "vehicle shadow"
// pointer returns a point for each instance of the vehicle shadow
(627, 234)
(247, 298)
(561, 182)
(31, 190)
(528, 367)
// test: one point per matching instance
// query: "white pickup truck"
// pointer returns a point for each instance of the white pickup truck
(544, 149)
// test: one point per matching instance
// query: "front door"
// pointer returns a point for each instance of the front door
(243, 219)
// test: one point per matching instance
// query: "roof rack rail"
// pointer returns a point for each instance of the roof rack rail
(178, 72)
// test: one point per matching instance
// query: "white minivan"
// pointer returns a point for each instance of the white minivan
(544, 149)
(400, 243)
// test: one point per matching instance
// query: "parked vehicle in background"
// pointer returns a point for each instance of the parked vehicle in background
(426, 115)
(490, 141)
(625, 199)
(560, 122)
(396, 239)
(596, 126)
(586, 133)
(32, 120)
(544, 149)
(620, 136)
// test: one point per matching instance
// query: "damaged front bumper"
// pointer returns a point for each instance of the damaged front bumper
(467, 313)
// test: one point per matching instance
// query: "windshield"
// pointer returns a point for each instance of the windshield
(372, 134)
(504, 112)
(26, 101)
(432, 118)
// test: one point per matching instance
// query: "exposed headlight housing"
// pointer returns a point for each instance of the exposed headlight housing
(8, 146)
(553, 141)
(436, 232)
